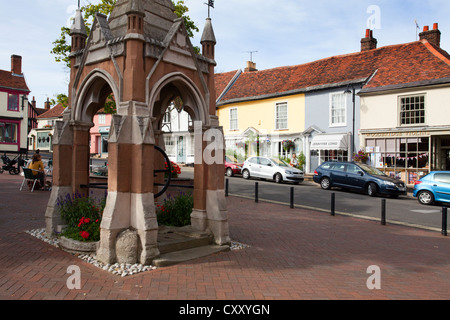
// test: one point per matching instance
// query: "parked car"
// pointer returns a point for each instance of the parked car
(434, 187)
(231, 166)
(271, 168)
(359, 177)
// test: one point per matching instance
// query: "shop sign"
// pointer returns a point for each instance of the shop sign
(398, 134)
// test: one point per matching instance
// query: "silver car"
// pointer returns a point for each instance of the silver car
(271, 168)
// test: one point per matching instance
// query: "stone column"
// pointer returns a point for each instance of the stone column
(210, 210)
(130, 202)
(62, 174)
(80, 156)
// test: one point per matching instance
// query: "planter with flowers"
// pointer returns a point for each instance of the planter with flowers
(175, 169)
(82, 215)
(288, 145)
(361, 157)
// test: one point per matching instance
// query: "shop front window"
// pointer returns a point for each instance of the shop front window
(403, 158)
(333, 155)
(8, 132)
(43, 140)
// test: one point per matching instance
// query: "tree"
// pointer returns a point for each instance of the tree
(61, 46)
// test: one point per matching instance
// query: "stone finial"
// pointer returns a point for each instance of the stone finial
(78, 27)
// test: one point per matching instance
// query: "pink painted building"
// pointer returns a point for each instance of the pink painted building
(100, 133)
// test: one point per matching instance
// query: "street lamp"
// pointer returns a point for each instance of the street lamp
(351, 90)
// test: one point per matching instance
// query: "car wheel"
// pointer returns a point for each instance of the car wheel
(229, 172)
(372, 189)
(278, 178)
(246, 174)
(325, 183)
(425, 198)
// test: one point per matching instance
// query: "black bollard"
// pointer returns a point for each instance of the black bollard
(333, 203)
(256, 192)
(444, 221)
(292, 197)
(226, 187)
(383, 212)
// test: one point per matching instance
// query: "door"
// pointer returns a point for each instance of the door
(181, 150)
(441, 187)
(355, 177)
(266, 168)
(338, 174)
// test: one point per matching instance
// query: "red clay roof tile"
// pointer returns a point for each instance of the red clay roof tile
(402, 64)
(13, 82)
(54, 112)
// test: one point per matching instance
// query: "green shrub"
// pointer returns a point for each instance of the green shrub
(175, 211)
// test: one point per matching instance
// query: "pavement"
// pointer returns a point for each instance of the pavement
(290, 254)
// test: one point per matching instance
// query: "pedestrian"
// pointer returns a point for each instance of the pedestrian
(294, 161)
(37, 168)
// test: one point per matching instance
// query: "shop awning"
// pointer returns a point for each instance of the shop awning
(330, 142)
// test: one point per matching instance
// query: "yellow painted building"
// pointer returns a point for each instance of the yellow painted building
(260, 124)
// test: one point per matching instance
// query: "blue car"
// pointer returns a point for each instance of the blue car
(358, 177)
(434, 187)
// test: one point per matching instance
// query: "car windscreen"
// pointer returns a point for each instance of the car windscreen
(371, 170)
(279, 162)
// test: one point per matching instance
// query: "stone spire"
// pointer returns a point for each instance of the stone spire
(208, 40)
(135, 12)
(78, 32)
(158, 17)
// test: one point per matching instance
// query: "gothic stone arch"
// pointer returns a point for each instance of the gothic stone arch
(141, 54)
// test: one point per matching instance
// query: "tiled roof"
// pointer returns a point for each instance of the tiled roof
(54, 112)
(418, 62)
(13, 82)
(223, 80)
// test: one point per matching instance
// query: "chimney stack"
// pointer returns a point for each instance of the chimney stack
(251, 66)
(432, 36)
(47, 104)
(33, 103)
(369, 42)
(16, 64)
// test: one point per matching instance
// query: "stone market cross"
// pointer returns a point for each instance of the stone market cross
(143, 56)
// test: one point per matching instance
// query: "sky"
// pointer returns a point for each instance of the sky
(277, 32)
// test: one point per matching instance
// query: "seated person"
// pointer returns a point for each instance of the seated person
(38, 168)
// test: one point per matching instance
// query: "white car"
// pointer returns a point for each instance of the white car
(271, 168)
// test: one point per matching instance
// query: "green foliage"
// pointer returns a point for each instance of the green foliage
(176, 211)
(60, 98)
(82, 215)
(62, 47)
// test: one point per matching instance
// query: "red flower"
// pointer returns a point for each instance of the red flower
(84, 234)
(87, 220)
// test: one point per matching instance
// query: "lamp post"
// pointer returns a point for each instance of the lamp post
(351, 90)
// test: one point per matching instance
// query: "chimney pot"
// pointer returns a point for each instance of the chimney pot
(432, 36)
(47, 104)
(251, 66)
(369, 42)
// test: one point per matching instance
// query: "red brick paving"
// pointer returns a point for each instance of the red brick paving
(295, 254)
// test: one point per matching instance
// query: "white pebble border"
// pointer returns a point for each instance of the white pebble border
(119, 269)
